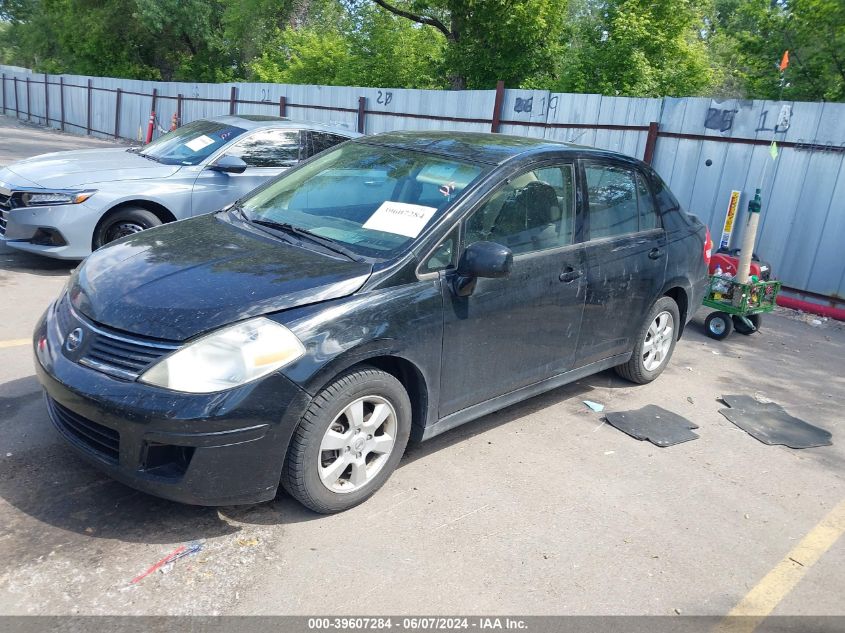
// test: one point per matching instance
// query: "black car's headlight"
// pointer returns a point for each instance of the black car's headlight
(47, 198)
(229, 357)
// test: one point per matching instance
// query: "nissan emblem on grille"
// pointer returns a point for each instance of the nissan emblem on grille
(74, 339)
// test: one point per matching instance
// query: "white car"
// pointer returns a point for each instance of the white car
(66, 204)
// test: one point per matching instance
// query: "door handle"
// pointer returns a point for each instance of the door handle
(655, 253)
(569, 275)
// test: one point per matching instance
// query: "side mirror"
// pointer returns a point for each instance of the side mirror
(229, 164)
(481, 259)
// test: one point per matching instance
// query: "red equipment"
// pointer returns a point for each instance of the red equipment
(729, 262)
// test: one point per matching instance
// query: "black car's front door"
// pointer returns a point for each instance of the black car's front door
(518, 330)
(626, 259)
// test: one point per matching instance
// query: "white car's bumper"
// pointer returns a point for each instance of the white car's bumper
(36, 229)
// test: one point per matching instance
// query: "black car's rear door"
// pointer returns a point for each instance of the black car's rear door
(626, 258)
(518, 330)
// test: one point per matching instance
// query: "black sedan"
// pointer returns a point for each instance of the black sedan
(389, 289)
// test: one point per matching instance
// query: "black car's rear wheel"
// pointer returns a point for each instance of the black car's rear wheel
(655, 343)
(349, 441)
(123, 222)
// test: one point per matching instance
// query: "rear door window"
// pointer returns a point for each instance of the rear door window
(314, 142)
(648, 211)
(268, 148)
(612, 200)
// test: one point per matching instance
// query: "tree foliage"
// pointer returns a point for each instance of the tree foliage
(355, 44)
(517, 41)
(643, 48)
(750, 36)
(617, 47)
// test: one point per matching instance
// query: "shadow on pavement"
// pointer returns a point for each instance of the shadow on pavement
(577, 390)
(19, 261)
(45, 481)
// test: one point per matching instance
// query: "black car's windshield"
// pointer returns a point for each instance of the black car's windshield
(191, 143)
(372, 199)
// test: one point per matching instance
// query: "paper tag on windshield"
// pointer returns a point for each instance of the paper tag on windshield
(400, 218)
(199, 142)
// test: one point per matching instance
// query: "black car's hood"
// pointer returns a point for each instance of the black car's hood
(181, 279)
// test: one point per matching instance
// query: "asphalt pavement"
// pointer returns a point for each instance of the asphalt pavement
(541, 508)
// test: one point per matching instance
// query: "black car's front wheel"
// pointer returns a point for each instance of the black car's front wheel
(349, 441)
(655, 343)
(123, 222)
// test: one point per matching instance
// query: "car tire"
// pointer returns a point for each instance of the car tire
(334, 429)
(741, 327)
(655, 343)
(718, 325)
(124, 222)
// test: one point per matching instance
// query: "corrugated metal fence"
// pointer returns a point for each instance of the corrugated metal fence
(703, 148)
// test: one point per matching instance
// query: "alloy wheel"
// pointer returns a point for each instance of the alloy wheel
(357, 444)
(658, 340)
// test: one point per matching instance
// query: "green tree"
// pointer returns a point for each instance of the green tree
(646, 48)
(140, 39)
(250, 25)
(351, 44)
(750, 36)
(517, 41)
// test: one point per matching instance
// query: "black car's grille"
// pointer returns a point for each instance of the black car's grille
(122, 355)
(101, 439)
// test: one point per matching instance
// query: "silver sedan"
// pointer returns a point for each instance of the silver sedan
(67, 204)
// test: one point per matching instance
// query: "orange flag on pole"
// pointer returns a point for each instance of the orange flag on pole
(784, 62)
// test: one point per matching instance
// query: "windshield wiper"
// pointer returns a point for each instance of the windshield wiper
(312, 237)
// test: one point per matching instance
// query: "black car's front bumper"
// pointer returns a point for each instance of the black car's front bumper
(206, 449)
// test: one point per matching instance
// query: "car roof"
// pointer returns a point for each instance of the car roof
(258, 121)
(480, 147)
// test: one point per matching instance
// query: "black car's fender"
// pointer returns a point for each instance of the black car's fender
(392, 328)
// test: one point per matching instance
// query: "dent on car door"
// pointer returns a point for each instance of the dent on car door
(626, 258)
(267, 153)
(514, 331)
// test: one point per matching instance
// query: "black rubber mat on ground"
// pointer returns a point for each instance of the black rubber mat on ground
(771, 424)
(658, 426)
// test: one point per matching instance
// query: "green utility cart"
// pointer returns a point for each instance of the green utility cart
(738, 305)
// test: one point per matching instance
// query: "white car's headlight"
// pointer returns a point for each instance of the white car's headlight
(37, 198)
(227, 358)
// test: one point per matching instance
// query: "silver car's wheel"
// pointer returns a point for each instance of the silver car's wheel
(122, 229)
(658, 340)
(357, 444)
(123, 222)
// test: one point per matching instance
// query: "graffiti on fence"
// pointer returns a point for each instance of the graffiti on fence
(782, 123)
(816, 145)
(523, 105)
(384, 98)
(721, 119)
